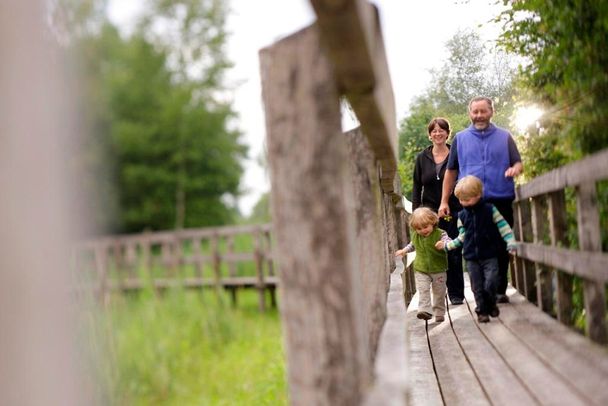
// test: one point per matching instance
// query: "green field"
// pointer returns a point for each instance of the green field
(187, 348)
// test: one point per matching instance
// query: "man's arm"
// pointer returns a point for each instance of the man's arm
(514, 170)
(516, 167)
(449, 180)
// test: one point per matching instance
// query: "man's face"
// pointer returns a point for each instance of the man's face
(480, 114)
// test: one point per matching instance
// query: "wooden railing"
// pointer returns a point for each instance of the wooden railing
(336, 209)
(544, 272)
(191, 258)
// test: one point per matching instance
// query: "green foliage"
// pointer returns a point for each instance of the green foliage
(162, 151)
(188, 349)
(563, 41)
(261, 210)
(470, 70)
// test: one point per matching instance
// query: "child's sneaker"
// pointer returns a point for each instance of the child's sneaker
(439, 319)
(483, 318)
(424, 315)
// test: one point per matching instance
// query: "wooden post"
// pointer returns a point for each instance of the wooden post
(528, 272)
(326, 339)
(231, 268)
(217, 266)
(259, 270)
(557, 229)
(101, 268)
(516, 263)
(270, 264)
(590, 239)
(544, 288)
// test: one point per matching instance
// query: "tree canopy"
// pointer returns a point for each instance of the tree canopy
(162, 150)
(566, 72)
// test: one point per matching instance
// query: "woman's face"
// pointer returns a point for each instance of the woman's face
(438, 135)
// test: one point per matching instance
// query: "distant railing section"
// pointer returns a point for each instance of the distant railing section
(229, 258)
(544, 272)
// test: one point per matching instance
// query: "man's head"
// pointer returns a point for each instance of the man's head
(481, 110)
(469, 190)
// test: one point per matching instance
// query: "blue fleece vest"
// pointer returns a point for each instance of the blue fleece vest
(482, 240)
(485, 154)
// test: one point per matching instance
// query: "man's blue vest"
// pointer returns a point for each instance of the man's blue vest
(485, 154)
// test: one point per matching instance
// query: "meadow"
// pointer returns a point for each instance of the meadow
(187, 348)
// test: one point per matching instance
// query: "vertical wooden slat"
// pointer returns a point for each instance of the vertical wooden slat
(259, 271)
(544, 288)
(326, 339)
(231, 268)
(528, 271)
(217, 265)
(557, 230)
(270, 265)
(589, 236)
(101, 268)
(517, 276)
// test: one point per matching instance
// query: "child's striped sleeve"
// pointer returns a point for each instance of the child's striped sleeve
(504, 229)
(458, 241)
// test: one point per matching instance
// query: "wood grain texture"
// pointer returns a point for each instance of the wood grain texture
(350, 32)
(314, 218)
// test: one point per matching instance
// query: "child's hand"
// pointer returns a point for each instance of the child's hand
(440, 245)
(399, 253)
(512, 250)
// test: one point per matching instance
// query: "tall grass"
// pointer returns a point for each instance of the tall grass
(188, 348)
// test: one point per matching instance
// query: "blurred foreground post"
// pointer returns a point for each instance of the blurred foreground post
(37, 340)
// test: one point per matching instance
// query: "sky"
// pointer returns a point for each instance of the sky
(414, 31)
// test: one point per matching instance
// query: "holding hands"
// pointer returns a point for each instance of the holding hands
(440, 245)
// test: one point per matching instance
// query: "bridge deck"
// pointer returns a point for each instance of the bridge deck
(523, 357)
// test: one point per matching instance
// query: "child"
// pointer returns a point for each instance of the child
(480, 229)
(430, 265)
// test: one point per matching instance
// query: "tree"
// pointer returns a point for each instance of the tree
(563, 43)
(164, 125)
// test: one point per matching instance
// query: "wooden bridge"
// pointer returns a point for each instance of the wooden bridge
(338, 217)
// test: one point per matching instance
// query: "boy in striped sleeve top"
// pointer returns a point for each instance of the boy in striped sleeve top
(481, 228)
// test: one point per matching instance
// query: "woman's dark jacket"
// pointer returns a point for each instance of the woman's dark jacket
(428, 184)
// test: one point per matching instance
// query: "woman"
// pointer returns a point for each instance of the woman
(428, 180)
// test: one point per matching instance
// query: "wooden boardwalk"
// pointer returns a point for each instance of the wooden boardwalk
(523, 357)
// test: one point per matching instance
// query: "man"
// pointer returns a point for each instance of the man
(488, 152)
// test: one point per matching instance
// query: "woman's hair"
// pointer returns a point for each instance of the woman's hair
(423, 217)
(441, 122)
(468, 187)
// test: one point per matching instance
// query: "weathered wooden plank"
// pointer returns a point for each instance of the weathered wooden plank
(589, 169)
(590, 239)
(544, 282)
(424, 387)
(527, 269)
(583, 364)
(543, 384)
(495, 377)
(558, 228)
(391, 368)
(458, 381)
(350, 32)
(370, 233)
(326, 337)
(587, 264)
